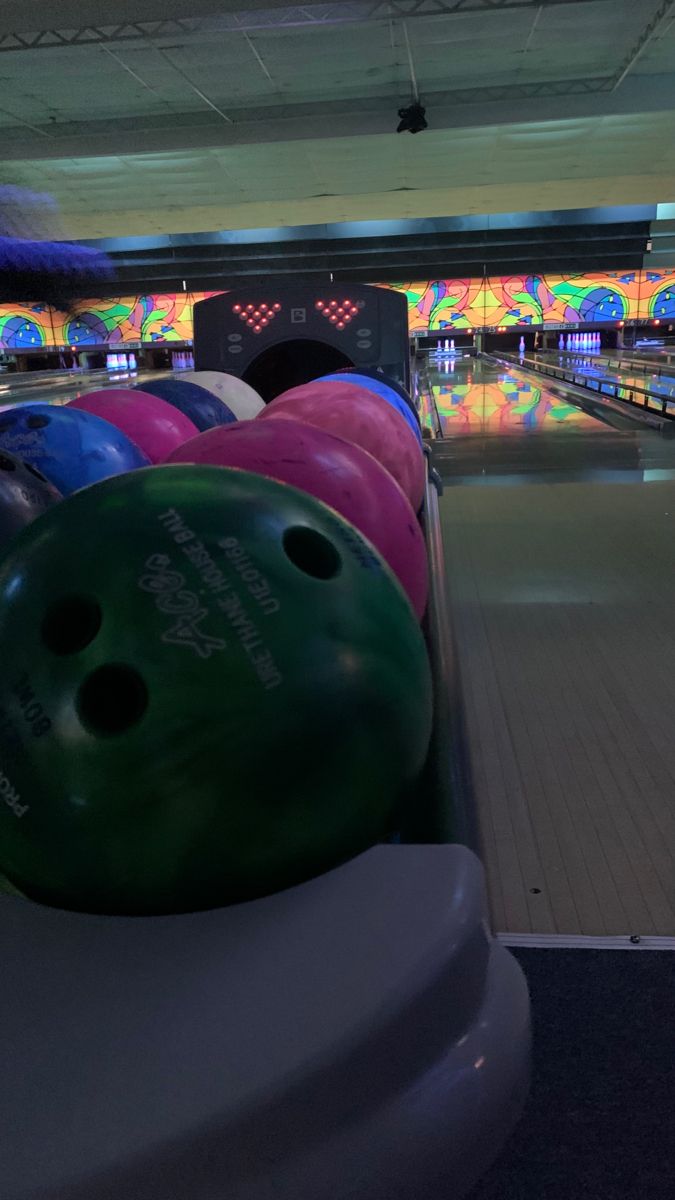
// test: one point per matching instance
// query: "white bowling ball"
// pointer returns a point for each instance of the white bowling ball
(241, 399)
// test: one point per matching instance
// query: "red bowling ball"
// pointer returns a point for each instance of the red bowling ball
(333, 470)
(361, 417)
(154, 426)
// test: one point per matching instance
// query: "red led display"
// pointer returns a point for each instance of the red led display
(338, 314)
(257, 316)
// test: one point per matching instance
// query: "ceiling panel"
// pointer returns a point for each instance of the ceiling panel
(195, 125)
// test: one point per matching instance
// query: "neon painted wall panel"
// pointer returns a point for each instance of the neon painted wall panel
(163, 317)
(512, 300)
(439, 304)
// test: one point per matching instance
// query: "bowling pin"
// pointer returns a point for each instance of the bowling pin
(521, 346)
(132, 362)
(452, 345)
(108, 361)
(561, 342)
(568, 343)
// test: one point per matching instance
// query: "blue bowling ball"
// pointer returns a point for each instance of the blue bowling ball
(69, 447)
(380, 387)
(203, 408)
(380, 377)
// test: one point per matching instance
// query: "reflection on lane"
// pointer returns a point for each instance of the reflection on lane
(59, 390)
(473, 397)
(660, 384)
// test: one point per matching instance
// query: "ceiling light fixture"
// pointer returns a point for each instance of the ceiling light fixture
(412, 117)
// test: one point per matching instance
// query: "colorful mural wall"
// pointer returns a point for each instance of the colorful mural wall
(163, 317)
(453, 304)
(593, 297)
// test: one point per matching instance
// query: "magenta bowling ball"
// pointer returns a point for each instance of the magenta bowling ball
(333, 470)
(152, 424)
(361, 417)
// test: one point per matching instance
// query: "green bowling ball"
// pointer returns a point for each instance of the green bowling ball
(212, 688)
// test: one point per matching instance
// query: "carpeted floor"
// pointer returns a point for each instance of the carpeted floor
(600, 1123)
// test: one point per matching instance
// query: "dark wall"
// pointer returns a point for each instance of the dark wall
(435, 249)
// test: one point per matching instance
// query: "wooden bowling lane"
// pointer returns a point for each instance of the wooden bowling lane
(562, 598)
(58, 387)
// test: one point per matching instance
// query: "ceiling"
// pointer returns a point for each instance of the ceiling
(214, 114)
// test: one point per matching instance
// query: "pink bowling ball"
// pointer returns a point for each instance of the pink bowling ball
(156, 427)
(333, 470)
(361, 417)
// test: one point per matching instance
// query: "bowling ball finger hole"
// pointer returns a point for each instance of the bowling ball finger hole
(7, 464)
(112, 699)
(311, 552)
(34, 471)
(71, 624)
